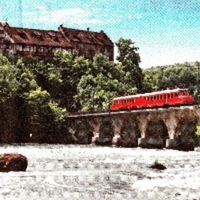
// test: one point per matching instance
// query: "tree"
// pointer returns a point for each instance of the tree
(172, 76)
(71, 69)
(127, 51)
(8, 87)
(129, 60)
(98, 85)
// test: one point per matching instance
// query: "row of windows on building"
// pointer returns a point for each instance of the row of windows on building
(151, 98)
(31, 48)
(86, 51)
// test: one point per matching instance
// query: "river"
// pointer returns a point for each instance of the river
(87, 172)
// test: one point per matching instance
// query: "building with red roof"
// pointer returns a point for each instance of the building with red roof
(35, 42)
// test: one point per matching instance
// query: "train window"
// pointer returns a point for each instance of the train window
(180, 94)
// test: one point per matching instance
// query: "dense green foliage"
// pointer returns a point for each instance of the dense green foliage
(37, 94)
(179, 75)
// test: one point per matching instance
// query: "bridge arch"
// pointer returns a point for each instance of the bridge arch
(184, 133)
(106, 132)
(81, 132)
(155, 135)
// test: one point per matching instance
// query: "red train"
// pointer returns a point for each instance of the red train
(174, 97)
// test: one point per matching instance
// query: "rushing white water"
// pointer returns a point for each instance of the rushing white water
(86, 172)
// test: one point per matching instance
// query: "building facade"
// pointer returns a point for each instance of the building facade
(35, 42)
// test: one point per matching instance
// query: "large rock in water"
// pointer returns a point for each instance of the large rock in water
(13, 162)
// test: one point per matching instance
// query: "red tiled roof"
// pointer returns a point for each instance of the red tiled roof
(88, 37)
(38, 37)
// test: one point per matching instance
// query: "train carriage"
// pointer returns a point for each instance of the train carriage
(163, 98)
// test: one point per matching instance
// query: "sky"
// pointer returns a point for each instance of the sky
(166, 31)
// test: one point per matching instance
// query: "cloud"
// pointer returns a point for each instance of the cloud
(67, 16)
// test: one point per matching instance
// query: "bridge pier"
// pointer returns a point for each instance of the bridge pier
(95, 124)
(150, 143)
(180, 144)
(117, 123)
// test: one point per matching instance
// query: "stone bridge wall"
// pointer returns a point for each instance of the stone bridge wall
(172, 128)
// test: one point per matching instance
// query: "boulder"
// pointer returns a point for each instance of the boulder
(13, 162)
(158, 166)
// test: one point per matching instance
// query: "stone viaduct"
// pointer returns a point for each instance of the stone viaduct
(172, 128)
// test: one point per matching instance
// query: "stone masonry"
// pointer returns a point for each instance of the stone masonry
(172, 128)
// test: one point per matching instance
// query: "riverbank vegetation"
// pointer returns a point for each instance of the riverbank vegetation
(37, 94)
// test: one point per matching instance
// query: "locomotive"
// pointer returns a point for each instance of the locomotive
(169, 97)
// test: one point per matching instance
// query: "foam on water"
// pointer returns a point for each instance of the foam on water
(87, 172)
